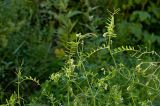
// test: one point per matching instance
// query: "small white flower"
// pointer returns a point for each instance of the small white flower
(71, 61)
(78, 35)
(105, 35)
(82, 43)
(91, 18)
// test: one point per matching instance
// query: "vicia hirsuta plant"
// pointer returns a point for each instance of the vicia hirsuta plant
(77, 85)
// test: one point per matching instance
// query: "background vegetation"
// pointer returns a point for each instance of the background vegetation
(71, 48)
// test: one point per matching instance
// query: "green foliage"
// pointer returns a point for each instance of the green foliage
(35, 31)
(122, 49)
(15, 98)
(79, 61)
(114, 85)
(138, 21)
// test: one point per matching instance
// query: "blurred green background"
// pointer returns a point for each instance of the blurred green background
(35, 31)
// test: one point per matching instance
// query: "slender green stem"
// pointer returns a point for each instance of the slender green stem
(68, 96)
(109, 49)
(93, 99)
(18, 87)
(133, 101)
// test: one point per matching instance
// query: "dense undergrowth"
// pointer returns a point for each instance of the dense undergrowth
(78, 53)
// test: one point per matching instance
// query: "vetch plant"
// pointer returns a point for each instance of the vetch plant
(16, 98)
(76, 84)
